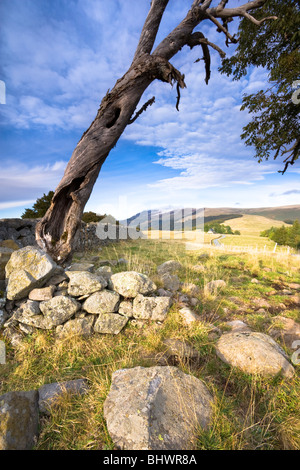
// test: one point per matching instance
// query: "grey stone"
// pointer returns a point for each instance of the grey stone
(253, 353)
(126, 308)
(170, 282)
(189, 316)
(104, 301)
(169, 267)
(45, 293)
(105, 272)
(81, 267)
(84, 283)
(59, 309)
(110, 323)
(49, 393)
(175, 348)
(150, 308)
(156, 408)
(19, 420)
(238, 325)
(131, 283)
(27, 269)
(76, 327)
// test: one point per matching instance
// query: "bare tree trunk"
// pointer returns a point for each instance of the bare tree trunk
(56, 233)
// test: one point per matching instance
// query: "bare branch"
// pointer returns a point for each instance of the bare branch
(222, 5)
(150, 28)
(143, 108)
(258, 22)
(235, 11)
(222, 29)
(197, 39)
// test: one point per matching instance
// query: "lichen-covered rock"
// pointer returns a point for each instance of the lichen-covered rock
(49, 393)
(76, 327)
(126, 308)
(105, 301)
(27, 269)
(59, 309)
(189, 316)
(44, 293)
(19, 420)
(131, 283)
(253, 353)
(110, 323)
(84, 283)
(156, 408)
(151, 308)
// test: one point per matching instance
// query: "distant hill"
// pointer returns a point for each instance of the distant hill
(196, 217)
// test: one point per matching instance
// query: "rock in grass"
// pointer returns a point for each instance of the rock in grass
(105, 301)
(19, 420)
(110, 323)
(170, 282)
(49, 393)
(131, 283)
(169, 267)
(151, 308)
(156, 408)
(253, 353)
(84, 283)
(285, 329)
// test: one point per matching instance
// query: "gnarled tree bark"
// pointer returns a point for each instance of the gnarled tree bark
(56, 233)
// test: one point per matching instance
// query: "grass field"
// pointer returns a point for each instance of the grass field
(251, 412)
(253, 224)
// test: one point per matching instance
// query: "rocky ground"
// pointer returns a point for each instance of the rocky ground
(246, 319)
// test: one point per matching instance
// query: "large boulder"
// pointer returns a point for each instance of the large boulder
(84, 283)
(131, 283)
(19, 420)
(27, 269)
(253, 353)
(156, 408)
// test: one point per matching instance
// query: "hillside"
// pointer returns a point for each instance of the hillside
(253, 224)
(197, 217)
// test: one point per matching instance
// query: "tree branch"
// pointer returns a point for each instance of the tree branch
(143, 108)
(150, 28)
(258, 22)
(223, 29)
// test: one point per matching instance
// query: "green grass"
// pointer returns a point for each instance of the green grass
(249, 412)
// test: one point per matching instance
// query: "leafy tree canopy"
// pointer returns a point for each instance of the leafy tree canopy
(274, 130)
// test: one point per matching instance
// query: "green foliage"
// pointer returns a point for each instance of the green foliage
(42, 204)
(39, 208)
(90, 216)
(218, 227)
(285, 235)
(274, 129)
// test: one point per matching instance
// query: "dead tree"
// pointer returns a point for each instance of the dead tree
(56, 233)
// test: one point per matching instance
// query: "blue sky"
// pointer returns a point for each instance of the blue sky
(59, 58)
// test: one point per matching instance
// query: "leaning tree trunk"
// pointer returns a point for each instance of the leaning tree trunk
(57, 231)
